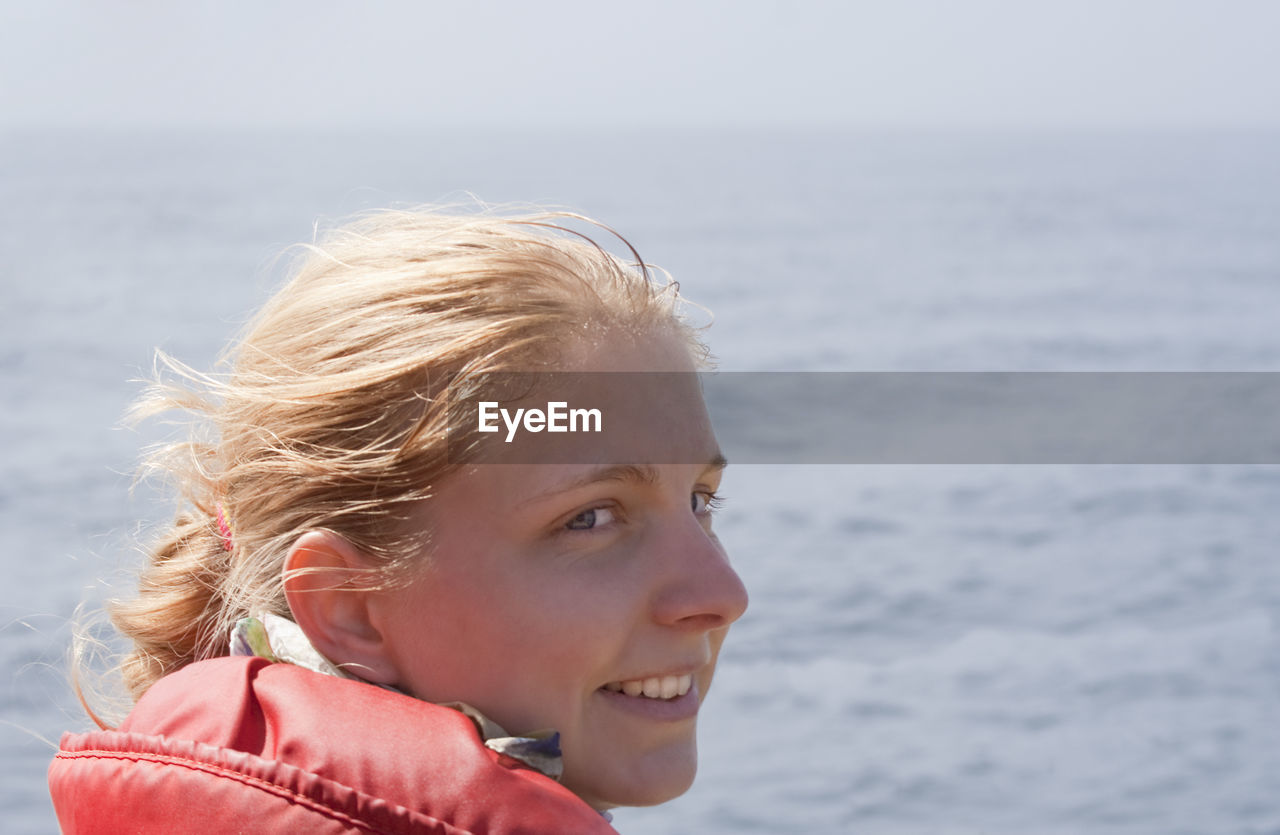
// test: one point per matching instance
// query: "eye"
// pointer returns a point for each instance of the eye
(590, 519)
(704, 502)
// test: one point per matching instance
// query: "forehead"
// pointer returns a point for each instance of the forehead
(621, 399)
(639, 418)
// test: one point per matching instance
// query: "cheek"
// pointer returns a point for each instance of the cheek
(568, 637)
(467, 639)
(439, 632)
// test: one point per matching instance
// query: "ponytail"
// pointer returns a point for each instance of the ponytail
(175, 617)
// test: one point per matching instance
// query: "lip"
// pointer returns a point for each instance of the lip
(662, 710)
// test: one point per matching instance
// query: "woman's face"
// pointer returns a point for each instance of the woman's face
(590, 598)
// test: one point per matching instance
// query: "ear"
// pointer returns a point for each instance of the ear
(331, 603)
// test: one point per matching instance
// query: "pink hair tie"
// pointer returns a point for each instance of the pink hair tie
(224, 528)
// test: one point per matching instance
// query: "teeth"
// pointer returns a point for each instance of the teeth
(655, 687)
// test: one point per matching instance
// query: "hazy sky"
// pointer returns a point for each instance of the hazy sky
(580, 62)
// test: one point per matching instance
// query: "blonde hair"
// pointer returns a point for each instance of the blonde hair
(334, 414)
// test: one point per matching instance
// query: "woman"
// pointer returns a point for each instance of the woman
(376, 613)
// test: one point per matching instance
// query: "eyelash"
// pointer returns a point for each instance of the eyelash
(712, 502)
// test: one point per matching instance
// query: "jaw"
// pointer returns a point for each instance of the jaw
(651, 780)
(624, 758)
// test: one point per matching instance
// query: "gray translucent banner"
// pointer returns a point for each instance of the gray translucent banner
(997, 417)
(900, 417)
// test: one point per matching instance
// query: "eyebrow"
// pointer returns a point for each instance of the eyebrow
(632, 473)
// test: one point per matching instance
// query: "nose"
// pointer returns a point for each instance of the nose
(702, 591)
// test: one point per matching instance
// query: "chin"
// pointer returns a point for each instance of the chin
(646, 784)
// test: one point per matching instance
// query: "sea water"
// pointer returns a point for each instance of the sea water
(929, 649)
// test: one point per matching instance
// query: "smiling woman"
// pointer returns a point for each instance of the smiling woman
(360, 621)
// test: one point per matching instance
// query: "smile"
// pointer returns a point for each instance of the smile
(654, 687)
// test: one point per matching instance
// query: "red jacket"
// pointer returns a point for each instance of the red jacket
(244, 745)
